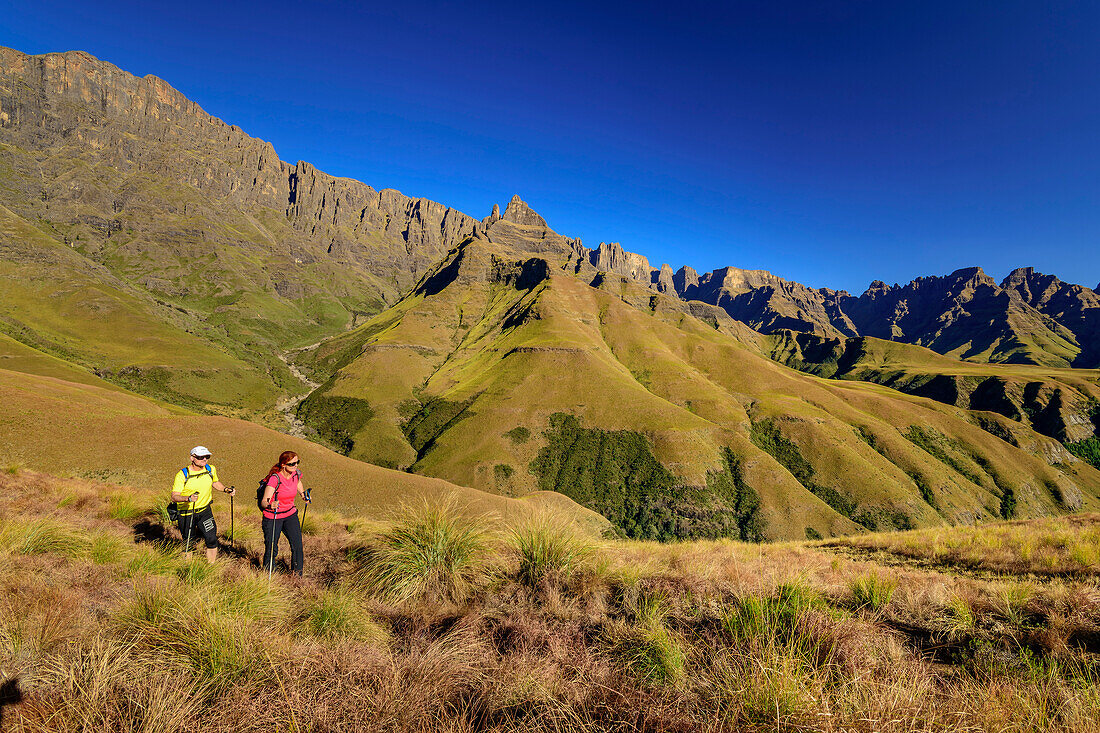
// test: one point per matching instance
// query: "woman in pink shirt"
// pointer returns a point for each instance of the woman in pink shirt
(284, 485)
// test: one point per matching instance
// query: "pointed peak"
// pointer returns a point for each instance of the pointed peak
(518, 212)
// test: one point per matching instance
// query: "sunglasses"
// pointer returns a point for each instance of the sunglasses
(293, 463)
(201, 458)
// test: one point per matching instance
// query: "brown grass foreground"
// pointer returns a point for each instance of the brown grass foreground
(444, 623)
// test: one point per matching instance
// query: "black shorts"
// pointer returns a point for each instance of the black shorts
(203, 526)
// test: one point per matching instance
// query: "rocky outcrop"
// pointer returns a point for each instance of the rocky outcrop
(766, 302)
(663, 280)
(611, 257)
(518, 212)
(1073, 306)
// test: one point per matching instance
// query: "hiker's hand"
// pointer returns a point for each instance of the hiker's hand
(231, 490)
(194, 497)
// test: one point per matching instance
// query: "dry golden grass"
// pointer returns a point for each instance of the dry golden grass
(709, 636)
(1068, 545)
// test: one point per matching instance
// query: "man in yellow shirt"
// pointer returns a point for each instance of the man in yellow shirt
(193, 492)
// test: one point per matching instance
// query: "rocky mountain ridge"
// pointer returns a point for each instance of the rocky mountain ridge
(143, 128)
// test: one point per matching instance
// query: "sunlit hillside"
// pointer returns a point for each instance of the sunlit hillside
(501, 372)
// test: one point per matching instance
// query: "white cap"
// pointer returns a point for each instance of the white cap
(200, 450)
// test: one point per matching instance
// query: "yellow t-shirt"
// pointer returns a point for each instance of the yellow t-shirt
(202, 482)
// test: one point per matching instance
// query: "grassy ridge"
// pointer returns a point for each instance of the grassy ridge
(1054, 401)
(108, 434)
(56, 301)
(637, 369)
(525, 627)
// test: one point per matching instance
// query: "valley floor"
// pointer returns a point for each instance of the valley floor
(443, 621)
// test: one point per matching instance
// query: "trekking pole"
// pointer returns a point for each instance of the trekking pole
(232, 518)
(190, 524)
(305, 509)
(271, 547)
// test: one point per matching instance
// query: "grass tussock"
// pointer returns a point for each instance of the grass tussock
(125, 507)
(42, 535)
(432, 552)
(647, 647)
(203, 625)
(337, 613)
(872, 591)
(546, 548)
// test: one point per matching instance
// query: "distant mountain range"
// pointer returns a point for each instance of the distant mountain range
(175, 255)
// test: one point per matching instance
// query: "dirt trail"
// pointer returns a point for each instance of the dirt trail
(289, 403)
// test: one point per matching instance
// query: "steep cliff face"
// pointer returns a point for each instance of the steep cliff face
(101, 115)
(1073, 306)
(965, 314)
(766, 302)
(611, 257)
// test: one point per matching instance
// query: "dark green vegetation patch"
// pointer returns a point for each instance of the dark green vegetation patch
(1087, 450)
(615, 473)
(942, 448)
(518, 435)
(995, 428)
(431, 420)
(336, 419)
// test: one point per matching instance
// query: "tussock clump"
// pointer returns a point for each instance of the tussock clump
(546, 548)
(125, 507)
(42, 535)
(111, 685)
(338, 613)
(432, 552)
(154, 559)
(652, 652)
(1011, 601)
(209, 627)
(872, 591)
(106, 549)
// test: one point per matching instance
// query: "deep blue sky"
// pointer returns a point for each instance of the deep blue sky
(830, 142)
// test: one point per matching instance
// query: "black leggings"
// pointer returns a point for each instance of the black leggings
(293, 531)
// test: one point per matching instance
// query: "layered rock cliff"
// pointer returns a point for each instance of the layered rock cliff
(137, 177)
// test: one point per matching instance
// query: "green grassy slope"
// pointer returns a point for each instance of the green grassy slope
(57, 301)
(18, 357)
(463, 378)
(101, 432)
